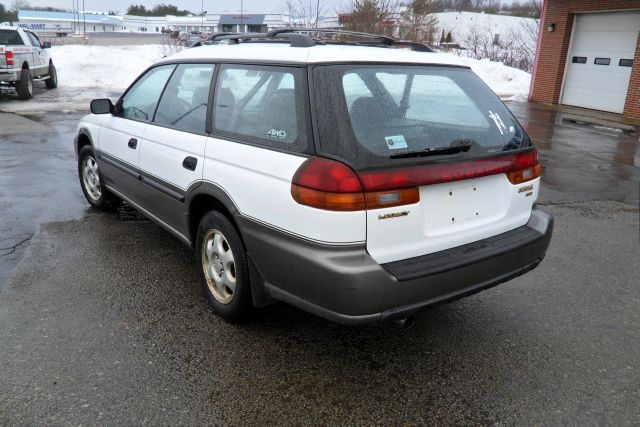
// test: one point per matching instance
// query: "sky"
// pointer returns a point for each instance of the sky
(212, 6)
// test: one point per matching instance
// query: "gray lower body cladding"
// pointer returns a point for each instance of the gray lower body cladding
(344, 284)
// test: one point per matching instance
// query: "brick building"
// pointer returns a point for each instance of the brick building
(588, 55)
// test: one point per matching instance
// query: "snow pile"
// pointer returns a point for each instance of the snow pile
(102, 67)
(508, 83)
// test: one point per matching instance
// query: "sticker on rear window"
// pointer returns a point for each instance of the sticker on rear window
(498, 121)
(395, 142)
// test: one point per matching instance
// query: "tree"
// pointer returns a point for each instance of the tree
(7, 15)
(374, 16)
(167, 9)
(137, 10)
(516, 48)
(303, 13)
(421, 21)
(158, 10)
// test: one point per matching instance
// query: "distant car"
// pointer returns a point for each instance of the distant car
(356, 182)
(23, 60)
(194, 37)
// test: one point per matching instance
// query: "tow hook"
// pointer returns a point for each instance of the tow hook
(405, 323)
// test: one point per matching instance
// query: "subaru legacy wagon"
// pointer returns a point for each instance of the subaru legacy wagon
(356, 181)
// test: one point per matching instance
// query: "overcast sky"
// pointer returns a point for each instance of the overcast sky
(212, 6)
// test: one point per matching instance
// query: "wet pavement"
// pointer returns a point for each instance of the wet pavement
(582, 163)
(102, 320)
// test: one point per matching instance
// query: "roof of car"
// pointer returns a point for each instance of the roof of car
(284, 53)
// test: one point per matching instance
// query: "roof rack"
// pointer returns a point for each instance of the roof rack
(301, 37)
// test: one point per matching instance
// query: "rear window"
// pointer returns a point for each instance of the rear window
(369, 114)
(10, 37)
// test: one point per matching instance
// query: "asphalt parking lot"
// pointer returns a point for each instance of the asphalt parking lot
(102, 320)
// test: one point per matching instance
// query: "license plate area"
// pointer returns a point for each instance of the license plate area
(462, 204)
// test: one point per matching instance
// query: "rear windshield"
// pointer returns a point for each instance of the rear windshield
(10, 37)
(375, 115)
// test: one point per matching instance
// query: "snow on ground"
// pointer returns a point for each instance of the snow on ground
(102, 67)
(88, 72)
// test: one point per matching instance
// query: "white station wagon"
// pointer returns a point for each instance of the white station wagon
(356, 181)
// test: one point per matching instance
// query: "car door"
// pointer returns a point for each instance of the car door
(121, 134)
(40, 64)
(172, 154)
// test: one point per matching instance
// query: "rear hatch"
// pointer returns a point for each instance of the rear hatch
(439, 156)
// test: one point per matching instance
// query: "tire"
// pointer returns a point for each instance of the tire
(90, 179)
(52, 81)
(222, 267)
(24, 87)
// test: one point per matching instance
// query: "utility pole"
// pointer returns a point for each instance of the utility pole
(84, 20)
(241, 16)
(75, 11)
(317, 13)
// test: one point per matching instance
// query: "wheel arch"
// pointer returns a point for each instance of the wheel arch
(25, 65)
(83, 139)
(203, 197)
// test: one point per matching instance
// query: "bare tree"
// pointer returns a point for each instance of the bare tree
(18, 5)
(303, 13)
(516, 48)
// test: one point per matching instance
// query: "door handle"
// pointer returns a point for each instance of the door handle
(133, 143)
(190, 163)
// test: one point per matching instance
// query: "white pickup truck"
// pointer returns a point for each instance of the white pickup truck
(23, 60)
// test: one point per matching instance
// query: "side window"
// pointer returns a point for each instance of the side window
(263, 105)
(141, 99)
(35, 41)
(184, 101)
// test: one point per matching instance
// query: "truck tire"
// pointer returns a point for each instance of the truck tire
(24, 86)
(52, 81)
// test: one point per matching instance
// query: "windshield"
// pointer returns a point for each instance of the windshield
(380, 115)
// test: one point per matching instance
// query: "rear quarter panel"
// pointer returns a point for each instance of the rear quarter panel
(259, 183)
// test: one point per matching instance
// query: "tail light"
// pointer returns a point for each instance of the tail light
(9, 56)
(331, 185)
(327, 184)
(528, 169)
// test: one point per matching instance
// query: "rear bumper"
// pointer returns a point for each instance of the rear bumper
(9, 75)
(344, 284)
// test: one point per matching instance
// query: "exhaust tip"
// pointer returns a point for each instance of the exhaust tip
(405, 323)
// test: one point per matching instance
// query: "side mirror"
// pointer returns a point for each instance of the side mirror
(101, 106)
(46, 45)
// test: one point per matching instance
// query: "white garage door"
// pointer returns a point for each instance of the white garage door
(600, 60)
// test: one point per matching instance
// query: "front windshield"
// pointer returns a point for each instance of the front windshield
(377, 115)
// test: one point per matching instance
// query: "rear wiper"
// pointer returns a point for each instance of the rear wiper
(457, 146)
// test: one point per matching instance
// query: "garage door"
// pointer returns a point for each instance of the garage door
(600, 60)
